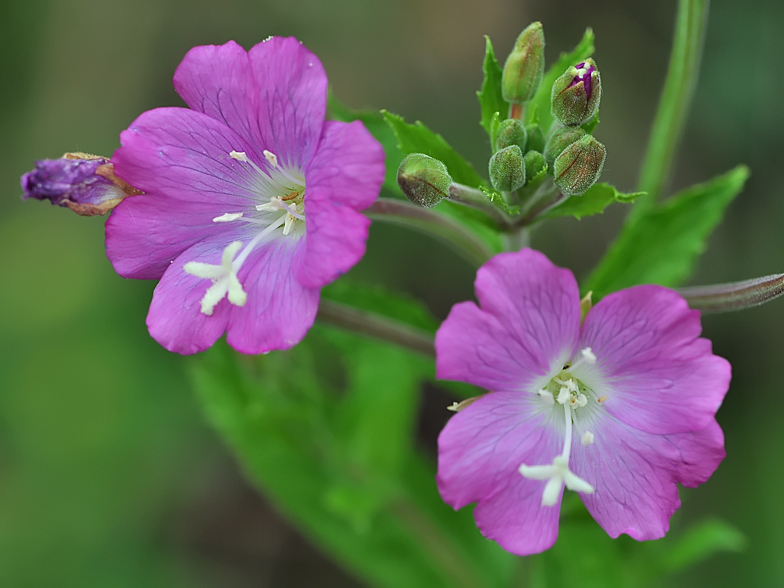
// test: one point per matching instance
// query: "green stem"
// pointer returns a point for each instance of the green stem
(675, 100)
(434, 224)
(374, 325)
(476, 199)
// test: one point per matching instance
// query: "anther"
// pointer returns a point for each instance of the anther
(588, 438)
(271, 157)
(227, 217)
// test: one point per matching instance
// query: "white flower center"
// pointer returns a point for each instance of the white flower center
(282, 196)
(573, 395)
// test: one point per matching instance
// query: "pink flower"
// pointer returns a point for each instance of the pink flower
(618, 409)
(251, 200)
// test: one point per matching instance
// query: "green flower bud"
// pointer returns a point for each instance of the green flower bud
(511, 132)
(425, 181)
(507, 170)
(560, 138)
(524, 67)
(535, 138)
(534, 164)
(576, 94)
(579, 166)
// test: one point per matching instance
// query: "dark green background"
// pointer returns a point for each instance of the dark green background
(108, 476)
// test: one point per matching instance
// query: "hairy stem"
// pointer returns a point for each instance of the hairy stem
(437, 225)
(675, 100)
(376, 326)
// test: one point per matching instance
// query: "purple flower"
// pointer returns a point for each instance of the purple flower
(618, 409)
(84, 183)
(251, 199)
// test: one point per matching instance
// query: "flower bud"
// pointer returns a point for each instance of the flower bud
(578, 167)
(425, 181)
(507, 170)
(535, 138)
(560, 138)
(511, 132)
(576, 94)
(524, 67)
(534, 164)
(84, 183)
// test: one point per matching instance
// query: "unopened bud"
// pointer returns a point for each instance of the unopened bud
(84, 183)
(576, 94)
(560, 138)
(425, 181)
(524, 67)
(535, 164)
(579, 166)
(535, 138)
(511, 132)
(507, 170)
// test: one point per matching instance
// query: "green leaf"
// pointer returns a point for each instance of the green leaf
(382, 132)
(325, 430)
(699, 543)
(594, 201)
(660, 246)
(491, 99)
(539, 106)
(417, 138)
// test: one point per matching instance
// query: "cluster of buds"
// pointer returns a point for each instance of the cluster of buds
(522, 158)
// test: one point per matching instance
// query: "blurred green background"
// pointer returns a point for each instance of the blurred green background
(108, 474)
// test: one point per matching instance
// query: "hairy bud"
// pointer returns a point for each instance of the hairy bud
(576, 94)
(511, 132)
(524, 67)
(507, 170)
(579, 166)
(425, 181)
(560, 138)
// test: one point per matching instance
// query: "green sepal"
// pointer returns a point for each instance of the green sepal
(594, 201)
(539, 107)
(498, 200)
(491, 100)
(661, 246)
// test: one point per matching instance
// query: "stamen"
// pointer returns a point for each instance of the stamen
(227, 217)
(588, 438)
(271, 157)
(239, 156)
(588, 355)
(547, 396)
(601, 399)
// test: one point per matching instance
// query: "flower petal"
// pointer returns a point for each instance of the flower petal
(479, 453)
(217, 80)
(344, 177)
(656, 372)
(292, 87)
(175, 319)
(180, 158)
(635, 473)
(275, 95)
(525, 331)
(279, 310)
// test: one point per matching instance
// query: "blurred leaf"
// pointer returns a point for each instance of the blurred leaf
(491, 100)
(374, 122)
(417, 138)
(660, 246)
(538, 109)
(340, 464)
(698, 543)
(594, 201)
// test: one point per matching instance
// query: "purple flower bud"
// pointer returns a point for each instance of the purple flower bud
(84, 183)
